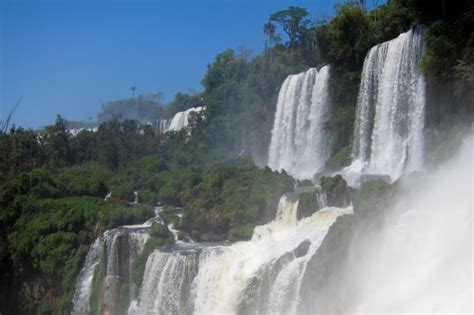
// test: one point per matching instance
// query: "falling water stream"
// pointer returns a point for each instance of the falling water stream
(388, 137)
(266, 274)
(298, 143)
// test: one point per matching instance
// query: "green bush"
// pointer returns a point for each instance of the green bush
(306, 204)
(336, 189)
(241, 232)
(86, 179)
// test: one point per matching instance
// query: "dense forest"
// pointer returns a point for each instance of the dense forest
(60, 191)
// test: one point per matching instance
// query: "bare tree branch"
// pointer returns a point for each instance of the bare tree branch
(4, 125)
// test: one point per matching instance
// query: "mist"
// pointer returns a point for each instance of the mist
(420, 261)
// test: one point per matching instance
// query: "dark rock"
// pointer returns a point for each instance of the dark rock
(211, 237)
(302, 249)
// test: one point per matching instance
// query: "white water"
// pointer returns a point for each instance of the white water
(298, 143)
(166, 285)
(388, 137)
(84, 283)
(422, 260)
(117, 258)
(164, 124)
(180, 120)
(263, 273)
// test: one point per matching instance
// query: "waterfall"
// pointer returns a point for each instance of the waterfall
(110, 256)
(260, 275)
(167, 283)
(83, 289)
(388, 137)
(164, 124)
(298, 142)
(180, 120)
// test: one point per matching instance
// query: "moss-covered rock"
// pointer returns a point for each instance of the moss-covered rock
(373, 195)
(307, 204)
(337, 192)
(241, 232)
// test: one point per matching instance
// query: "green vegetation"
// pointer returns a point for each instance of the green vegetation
(337, 192)
(53, 207)
(373, 195)
(306, 204)
(53, 184)
(145, 108)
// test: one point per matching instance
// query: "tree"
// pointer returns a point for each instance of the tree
(133, 88)
(56, 143)
(269, 30)
(292, 20)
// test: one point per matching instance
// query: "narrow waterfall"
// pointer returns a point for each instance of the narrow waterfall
(298, 143)
(84, 283)
(246, 277)
(109, 258)
(180, 120)
(164, 124)
(388, 137)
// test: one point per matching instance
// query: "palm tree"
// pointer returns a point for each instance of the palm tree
(133, 88)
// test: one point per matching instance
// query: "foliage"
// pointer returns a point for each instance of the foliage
(372, 195)
(46, 227)
(86, 179)
(340, 159)
(144, 108)
(240, 96)
(53, 183)
(336, 190)
(306, 204)
(215, 196)
(449, 62)
(182, 102)
(293, 20)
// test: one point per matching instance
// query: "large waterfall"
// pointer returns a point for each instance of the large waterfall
(108, 264)
(298, 143)
(388, 137)
(412, 255)
(245, 277)
(263, 275)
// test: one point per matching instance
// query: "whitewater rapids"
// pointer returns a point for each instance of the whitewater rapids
(260, 275)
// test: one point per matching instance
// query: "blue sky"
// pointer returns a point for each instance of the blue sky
(63, 56)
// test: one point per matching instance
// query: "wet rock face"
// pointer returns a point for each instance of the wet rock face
(302, 249)
(119, 250)
(118, 277)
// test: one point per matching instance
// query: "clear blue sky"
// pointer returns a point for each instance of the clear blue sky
(63, 56)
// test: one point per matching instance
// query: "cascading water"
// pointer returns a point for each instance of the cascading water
(180, 120)
(84, 283)
(164, 124)
(113, 253)
(298, 143)
(388, 137)
(245, 277)
(293, 265)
